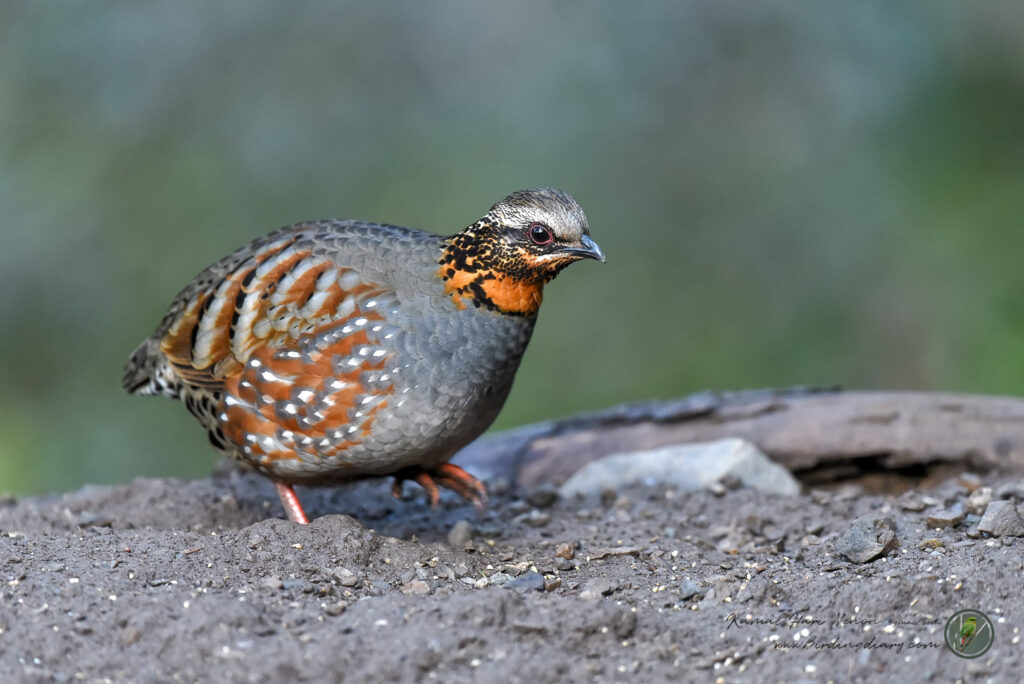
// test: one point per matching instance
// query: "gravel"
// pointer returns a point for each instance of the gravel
(163, 580)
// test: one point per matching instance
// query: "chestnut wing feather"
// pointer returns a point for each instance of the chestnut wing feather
(270, 294)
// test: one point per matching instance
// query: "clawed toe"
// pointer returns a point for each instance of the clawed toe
(445, 475)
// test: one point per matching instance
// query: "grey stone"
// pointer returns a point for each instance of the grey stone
(564, 565)
(336, 609)
(565, 550)
(1011, 490)
(979, 500)
(687, 589)
(969, 481)
(911, 501)
(685, 466)
(868, 538)
(542, 496)
(950, 517)
(1002, 519)
(597, 587)
(530, 581)
(461, 532)
(344, 576)
(499, 578)
(298, 584)
(534, 518)
(271, 582)
(415, 588)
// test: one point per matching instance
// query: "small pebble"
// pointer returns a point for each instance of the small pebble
(911, 501)
(543, 496)
(535, 518)
(415, 588)
(849, 491)
(868, 538)
(1011, 490)
(529, 581)
(298, 584)
(820, 497)
(930, 544)
(93, 519)
(979, 500)
(595, 588)
(969, 481)
(130, 635)
(271, 582)
(731, 481)
(565, 550)
(344, 576)
(516, 507)
(950, 517)
(687, 589)
(336, 609)
(552, 583)
(608, 497)
(461, 532)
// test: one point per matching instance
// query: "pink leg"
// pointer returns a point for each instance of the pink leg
(291, 503)
(446, 475)
(424, 480)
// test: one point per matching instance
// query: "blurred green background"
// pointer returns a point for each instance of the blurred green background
(788, 192)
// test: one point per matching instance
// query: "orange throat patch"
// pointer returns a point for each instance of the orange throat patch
(485, 288)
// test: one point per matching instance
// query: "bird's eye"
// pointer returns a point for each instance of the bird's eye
(539, 234)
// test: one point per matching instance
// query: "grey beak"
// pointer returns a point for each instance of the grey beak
(587, 250)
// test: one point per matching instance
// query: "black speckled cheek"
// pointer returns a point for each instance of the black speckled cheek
(489, 250)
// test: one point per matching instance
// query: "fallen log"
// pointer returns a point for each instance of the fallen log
(804, 430)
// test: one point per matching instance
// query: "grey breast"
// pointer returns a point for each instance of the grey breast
(450, 369)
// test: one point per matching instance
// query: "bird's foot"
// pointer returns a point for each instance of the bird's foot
(291, 503)
(448, 476)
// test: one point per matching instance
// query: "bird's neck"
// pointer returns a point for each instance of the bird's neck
(479, 270)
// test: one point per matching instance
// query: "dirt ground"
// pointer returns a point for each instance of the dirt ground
(162, 580)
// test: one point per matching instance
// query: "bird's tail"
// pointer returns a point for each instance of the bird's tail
(149, 372)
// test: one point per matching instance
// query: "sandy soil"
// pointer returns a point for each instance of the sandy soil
(163, 580)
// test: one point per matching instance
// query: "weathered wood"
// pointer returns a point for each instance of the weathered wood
(800, 429)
